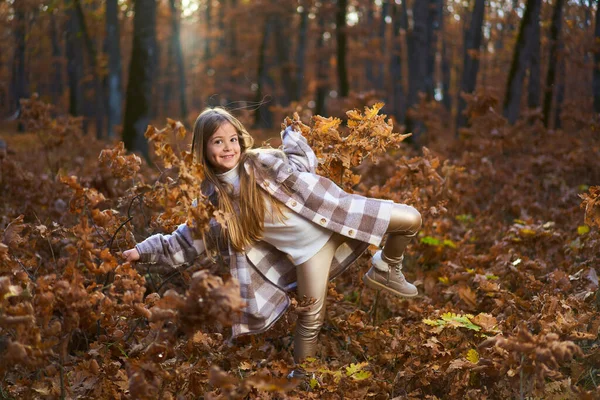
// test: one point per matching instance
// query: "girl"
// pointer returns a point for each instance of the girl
(289, 227)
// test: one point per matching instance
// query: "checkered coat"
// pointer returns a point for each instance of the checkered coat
(265, 274)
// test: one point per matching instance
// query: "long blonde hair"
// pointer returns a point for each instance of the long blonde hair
(246, 222)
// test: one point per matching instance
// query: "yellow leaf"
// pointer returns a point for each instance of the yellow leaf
(583, 229)
(527, 232)
(361, 375)
(473, 356)
(444, 279)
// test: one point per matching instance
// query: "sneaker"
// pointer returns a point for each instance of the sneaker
(388, 277)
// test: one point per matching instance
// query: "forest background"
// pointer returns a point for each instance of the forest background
(502, 99)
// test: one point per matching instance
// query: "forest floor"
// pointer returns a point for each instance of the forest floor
(506, 264)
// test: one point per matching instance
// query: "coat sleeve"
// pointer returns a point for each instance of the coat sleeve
(175, 249)
(299, 153)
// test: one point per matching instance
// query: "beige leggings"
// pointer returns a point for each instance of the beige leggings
(313, 275)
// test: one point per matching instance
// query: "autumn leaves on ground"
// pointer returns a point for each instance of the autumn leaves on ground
(505, 262)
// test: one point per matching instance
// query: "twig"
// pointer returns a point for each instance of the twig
(174, 274)
(24, 269)
(373, 311)
(48, 240)
(62, 379)
(151, 279)
(129, 218)
(130, 334)
(522, 378)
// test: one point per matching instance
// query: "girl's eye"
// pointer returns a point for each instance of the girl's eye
(234, 139)
(218, 141)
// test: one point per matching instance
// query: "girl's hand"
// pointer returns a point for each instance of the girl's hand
(131, 255)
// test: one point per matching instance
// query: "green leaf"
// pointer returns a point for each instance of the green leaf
(491, 277)
(460, 321)
(313, 383)
(444, 279)
(449, 243)
(431, 241)
(354, 368)
(466, 218)
(361, 375)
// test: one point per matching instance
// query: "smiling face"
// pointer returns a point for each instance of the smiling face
(223, 148)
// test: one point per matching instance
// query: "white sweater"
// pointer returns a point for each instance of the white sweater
(295, 235)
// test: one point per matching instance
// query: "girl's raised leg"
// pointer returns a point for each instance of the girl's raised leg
(386, 272)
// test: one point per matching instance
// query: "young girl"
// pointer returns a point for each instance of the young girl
(289, 227)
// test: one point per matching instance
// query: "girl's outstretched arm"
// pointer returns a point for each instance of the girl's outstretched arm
(299, 153)
(175, 249)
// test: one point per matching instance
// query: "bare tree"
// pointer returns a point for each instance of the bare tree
(533, 95)
(520, 61)
(262, 115)
(400, 22)
(553, 59)
(341, 38)
(178, 54)
(74, 61)
(472, 44)
(19, 77)
(93, 60)
(113, 50)
(596, 79)
(57, 80)
(141, 77)
(301, 50)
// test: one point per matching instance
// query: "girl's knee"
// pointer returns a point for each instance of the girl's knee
(405, 218)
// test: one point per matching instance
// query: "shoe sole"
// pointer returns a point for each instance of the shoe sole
(378, 286)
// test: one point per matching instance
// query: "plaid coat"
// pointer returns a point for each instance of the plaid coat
(265, 274)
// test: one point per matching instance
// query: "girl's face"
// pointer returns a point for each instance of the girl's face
(223, 148)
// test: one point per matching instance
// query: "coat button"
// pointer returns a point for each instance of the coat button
(351, 232)
(323, 221)
(289, 170)
(266, 184)
(293, 204)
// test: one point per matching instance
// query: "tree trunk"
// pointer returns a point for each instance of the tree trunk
(446, 69)
(521, 57)
(596, 79)
(207, 40)
(379, 83)
(141, 76)
(178, 53)
(472, 44)
(553, 59)
(57, 81)
(341, 38)
(74, 62)
(233, 50)
(263, 117)
(534, 93)
(398, 98)
(418, 54)
(322, 65)
(366, 41)
(301, 51)
(93, 58)
(113, 50)
(19, 78)
(560, 89)
(433, 26)
(281, 50)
